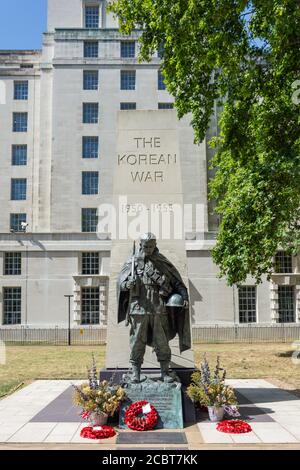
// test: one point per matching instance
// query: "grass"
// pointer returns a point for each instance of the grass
(270, 360)
(27, 363)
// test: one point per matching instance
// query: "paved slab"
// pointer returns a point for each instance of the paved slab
(272, 413)
(60, 410)
(32, 432)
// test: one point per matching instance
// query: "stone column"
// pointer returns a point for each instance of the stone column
(147, 186)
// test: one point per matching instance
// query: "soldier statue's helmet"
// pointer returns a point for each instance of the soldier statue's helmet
(175, 300)
(146, 237)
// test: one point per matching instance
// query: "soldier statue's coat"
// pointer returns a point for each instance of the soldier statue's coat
(178, 318)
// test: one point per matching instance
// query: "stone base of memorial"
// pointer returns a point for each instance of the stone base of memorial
(165, 397)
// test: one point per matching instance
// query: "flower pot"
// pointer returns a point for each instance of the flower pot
(216, 413)
(98, 419)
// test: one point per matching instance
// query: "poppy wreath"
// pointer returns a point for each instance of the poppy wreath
(234, 426)
(102, 432)
(140, 423)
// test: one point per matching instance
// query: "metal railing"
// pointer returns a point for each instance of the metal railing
(281, 333)
(53, 336)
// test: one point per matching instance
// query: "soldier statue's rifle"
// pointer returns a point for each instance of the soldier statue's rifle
(133, 278)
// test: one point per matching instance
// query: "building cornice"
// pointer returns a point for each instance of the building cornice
(104, 62)
(79, 34)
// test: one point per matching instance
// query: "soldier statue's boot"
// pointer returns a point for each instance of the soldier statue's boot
(165, 372)
(136, 374)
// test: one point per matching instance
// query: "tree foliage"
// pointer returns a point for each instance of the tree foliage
(246, 56)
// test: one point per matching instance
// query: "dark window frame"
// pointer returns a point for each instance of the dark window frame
(90, 147)
(19, 155)
(91, 49)
(89, 220)
(286, 304)
(20, 122)
(18, 190)
(12, 265)
(128, 49)
(21, 90)
(247, 304)
(16, 227)
(91, 80)
(90, 183)
(90, 305)
(128, 80)
(90, 113)
(12, 305)
(90, 263)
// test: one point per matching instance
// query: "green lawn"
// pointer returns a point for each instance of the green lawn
(27, 363)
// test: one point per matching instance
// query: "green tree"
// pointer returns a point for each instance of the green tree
(244, 55)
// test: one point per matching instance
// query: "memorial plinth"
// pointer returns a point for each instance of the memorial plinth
(165, 397)
(147, 181)
(148, 197)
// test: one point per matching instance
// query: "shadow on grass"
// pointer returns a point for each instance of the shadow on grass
(285, 354)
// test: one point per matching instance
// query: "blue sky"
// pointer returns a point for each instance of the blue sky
(22, 23)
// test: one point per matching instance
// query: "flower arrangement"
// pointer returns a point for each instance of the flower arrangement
(95, 397)
(207, 389)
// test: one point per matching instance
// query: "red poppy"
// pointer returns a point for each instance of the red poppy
(136, 422)
(234, 426)
(104, 432)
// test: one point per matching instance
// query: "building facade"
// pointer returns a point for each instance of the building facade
(58, 114)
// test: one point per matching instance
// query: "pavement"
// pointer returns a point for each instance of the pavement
(42, 416)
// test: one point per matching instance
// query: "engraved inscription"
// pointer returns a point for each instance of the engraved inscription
(145, 158)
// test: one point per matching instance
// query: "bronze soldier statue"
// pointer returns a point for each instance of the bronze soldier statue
(154, 302)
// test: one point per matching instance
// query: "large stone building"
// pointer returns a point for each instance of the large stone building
(58, 114)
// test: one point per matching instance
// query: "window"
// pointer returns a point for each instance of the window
(90, 182)
(12, 264)
(90, 263)
(90, 113)
(160, 81)
(18, 189)
(21, 90)
(127, 49)
(160, 51)
(92, 17)
(247, 304)
(90, 80)
(128, 79)
(90, 147)
(90, 306)
(19, 155)
(20, 122)
(16, 221)
(165, 106)
(283, 262)
(91, 49)
(286, 304)
(127, 106)
(89, 220)
(11, 305)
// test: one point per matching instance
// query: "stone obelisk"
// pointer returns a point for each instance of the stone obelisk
(147, 197)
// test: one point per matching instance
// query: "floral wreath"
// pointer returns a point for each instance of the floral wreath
(141, 423)
(234, 426)
(97, 432)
